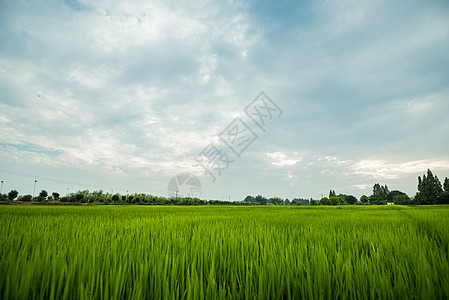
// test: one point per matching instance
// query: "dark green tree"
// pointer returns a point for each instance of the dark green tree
(334, 200)
(364, 199)
(401, 199)
(313, 202)
(43, 194)
(324, 201)
(394, 193)
(27, 198)
(276, 200)
(249, 199)
(380, 192)
(331, 193)
(261, 200)
(56, 196)
(350, 199)
(446, 184)
(429, 189)
(12, 195)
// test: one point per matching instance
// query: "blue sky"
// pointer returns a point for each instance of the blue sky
(123, 96)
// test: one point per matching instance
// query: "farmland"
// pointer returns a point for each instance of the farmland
(168, 252)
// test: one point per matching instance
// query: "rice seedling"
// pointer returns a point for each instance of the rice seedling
(165, 252)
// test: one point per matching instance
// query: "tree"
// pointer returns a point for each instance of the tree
(79, 197)
(380, 191)
(394, 193)
(376, 200)
(334, 200)
(12, 195)
(331, 193)
(276, 200)
(446, 184)
(324, 201)
(27, 198)
(401, 199)
(444, 198)
(260, 200)
(429, 189)
(364, 199)
(287, 202)
(294, 202)
(115, 198)
(350, 199)
(313, 202)
(43, 194)
(55, 196)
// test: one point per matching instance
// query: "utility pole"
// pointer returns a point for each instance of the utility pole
(34, 189)
(1, 189)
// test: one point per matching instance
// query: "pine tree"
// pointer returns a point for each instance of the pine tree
(446, 184)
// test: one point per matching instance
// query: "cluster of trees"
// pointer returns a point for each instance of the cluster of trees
(99, 197)
(261, 200)
(430, 191)
(340, 199)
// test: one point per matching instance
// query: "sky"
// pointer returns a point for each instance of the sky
(124, 95)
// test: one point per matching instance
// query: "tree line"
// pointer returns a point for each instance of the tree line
(430, 191)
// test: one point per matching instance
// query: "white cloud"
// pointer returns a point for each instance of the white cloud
(380, 169)
(281, 159)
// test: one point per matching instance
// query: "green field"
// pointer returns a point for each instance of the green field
(168, 252)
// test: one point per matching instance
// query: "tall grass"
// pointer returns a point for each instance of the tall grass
(137, 252)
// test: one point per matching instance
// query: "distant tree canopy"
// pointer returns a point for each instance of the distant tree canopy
(430, 190)
(12, 195)
(349, 199)
(276, 200)
(334, 200)
(446, 184)
(261, 200)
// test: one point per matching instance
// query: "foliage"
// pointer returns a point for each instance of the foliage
(43, 194)
(12, 195)
(401, 199)
(446, 184)
(394, 193)
(429, 189)
(364, 199)
(380, 192)
(324, 201)
(260, 200)
(276, 200)
(349, 199)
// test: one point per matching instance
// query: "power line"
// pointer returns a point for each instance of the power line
(16, 173)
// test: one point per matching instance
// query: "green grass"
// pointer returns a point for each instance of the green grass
(157, 252)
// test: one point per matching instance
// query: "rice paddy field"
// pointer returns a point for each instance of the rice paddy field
(217, 252)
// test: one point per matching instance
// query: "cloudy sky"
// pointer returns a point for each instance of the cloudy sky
(123, 96)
